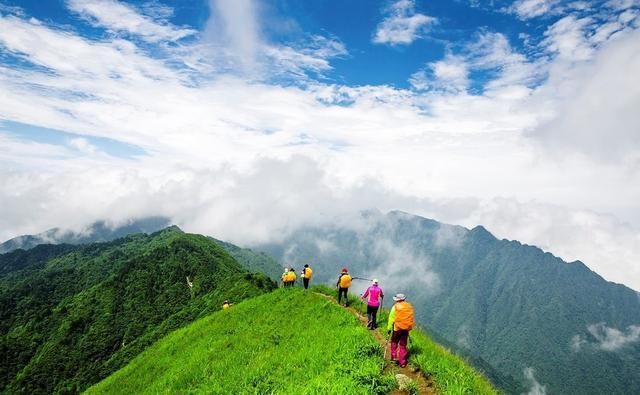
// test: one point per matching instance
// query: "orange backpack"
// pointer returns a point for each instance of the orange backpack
(404, 316)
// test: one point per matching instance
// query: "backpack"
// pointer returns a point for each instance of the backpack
(404, 316)
(345, 281)
(308, 273)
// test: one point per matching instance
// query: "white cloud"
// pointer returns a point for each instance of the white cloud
(402, 25)
(246, 160)
(622, 4)
(234, 24)
(312, 56)
(567, 39)
(83, 145)
(120, 17)
(607, 338)
(576, 343)
(612, 339)
(449, 74)
(527, 9)
(536, 388)
(595, 90)
(232, 42)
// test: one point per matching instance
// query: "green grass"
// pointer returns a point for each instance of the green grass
(452, 374)
(290, 341)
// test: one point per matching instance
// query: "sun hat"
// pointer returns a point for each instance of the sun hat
(399, 297)
(375, 281)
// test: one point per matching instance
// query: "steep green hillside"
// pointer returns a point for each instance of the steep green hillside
(288, 342)
(511, 305)
(69, 321)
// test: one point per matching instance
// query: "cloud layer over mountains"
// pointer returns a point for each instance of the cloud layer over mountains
(246, 138)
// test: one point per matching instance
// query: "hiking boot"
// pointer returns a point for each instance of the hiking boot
(402, 365)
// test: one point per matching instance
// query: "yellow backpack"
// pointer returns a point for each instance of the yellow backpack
(345, 281)
(308, 273)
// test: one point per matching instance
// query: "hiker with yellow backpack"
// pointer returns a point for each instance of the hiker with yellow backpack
(307, 273)
(291, 278)
(343, 284)
(284, 277)
(401, 321)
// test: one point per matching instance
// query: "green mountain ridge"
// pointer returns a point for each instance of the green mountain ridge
(73, 314)
(290, 341)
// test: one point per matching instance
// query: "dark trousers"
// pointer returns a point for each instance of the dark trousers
(343, 291)
(305, 281)
(372, 317)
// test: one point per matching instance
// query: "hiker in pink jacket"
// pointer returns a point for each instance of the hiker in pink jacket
(375, 294)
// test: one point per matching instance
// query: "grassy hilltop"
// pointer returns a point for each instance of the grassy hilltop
(290, 341)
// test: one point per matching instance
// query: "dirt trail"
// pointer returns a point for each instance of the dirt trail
(425, 384)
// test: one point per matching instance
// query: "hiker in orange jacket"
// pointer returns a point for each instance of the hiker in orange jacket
(401, 321)
(343, 284)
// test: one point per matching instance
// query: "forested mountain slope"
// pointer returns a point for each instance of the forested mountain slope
(527, 313)
(254, 261)
(73, 315)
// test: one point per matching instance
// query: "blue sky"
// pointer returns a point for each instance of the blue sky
(246, 119)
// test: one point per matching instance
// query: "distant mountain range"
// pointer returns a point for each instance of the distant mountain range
(97, 232)
(539, 321)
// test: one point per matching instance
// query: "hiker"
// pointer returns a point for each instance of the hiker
(291, 277)
(401, 321)
(375, 294)
(343, 284)
(284, 278)
(226, 305)
(306, 276)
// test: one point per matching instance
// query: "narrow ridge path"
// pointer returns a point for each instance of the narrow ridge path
(426, 385)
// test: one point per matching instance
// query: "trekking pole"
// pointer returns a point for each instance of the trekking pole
(361, 278)
(384, 354)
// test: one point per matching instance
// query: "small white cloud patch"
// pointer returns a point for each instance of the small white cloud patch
(120, 17)
(612, 339)
(402, 24)
(536, 388)
(83, 145)
(527, 9)
(606, 338)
